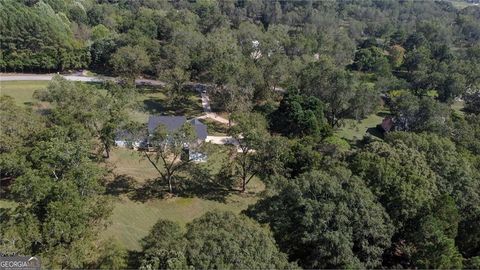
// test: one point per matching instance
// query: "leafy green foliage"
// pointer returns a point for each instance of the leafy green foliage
(327, 220)
(299, 115)
(37, 38)
(129, 62)
(400, 177)
(215, 240)
(60, 205)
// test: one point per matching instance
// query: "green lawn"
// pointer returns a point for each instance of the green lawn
(22, 91)
(132, 220)
(215, 128)
(152, 100)
(354, 130)
(458, 106)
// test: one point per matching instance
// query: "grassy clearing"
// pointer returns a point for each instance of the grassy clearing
(458, 106)
(132, 220)
(215, 128)
(356, 130)
(129, 162)
(152, 100)
(22, 91)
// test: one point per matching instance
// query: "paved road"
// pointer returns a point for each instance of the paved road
(78, 78)
(221, 140)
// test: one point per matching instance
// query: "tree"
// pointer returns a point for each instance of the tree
(169, 148)
(472, 103)
(327, 220)
(335, 87)
(299, 115)
(421, 114)
(112, 256)
(37, 38)
(113, 109)
(226, 240)
(249, 131)
(456, 177)
(101, 114)
(163, 247)
(435, 244)
(214, 240)
(176, 79)
(396, 55)
(100, 32)
(129, 62)
(400, 177)
(60, 208)
(371, 59)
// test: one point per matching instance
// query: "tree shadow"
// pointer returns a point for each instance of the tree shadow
(133, 259)
(376, 132)
(151, 189)
(201, 185)
(384, 114)
(121, 184)
(153, 106)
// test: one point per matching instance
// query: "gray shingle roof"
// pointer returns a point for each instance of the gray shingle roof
(200, 129)
(173, 123)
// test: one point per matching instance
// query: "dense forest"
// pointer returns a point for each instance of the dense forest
(288, 74)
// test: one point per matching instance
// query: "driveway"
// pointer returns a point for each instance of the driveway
(221, 140)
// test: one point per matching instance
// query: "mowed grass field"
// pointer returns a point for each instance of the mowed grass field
(132, 219)
(22, 91)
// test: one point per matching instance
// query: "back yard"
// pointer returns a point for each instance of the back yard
(133, 216)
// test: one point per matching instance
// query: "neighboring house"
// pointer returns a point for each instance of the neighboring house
(172, 123)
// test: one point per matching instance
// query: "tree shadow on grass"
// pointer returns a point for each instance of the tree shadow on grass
(182, 187)
(189, 105)
(375, 132)
(121, 184)
(153, 106)
(149, 190)
(384, 114)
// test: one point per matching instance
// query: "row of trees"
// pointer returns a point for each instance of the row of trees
(248, 47)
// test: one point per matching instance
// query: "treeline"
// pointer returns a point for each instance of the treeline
(37, 39)
(289, 73)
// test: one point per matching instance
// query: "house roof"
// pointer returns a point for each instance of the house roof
(173, 123)
(200, 129)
